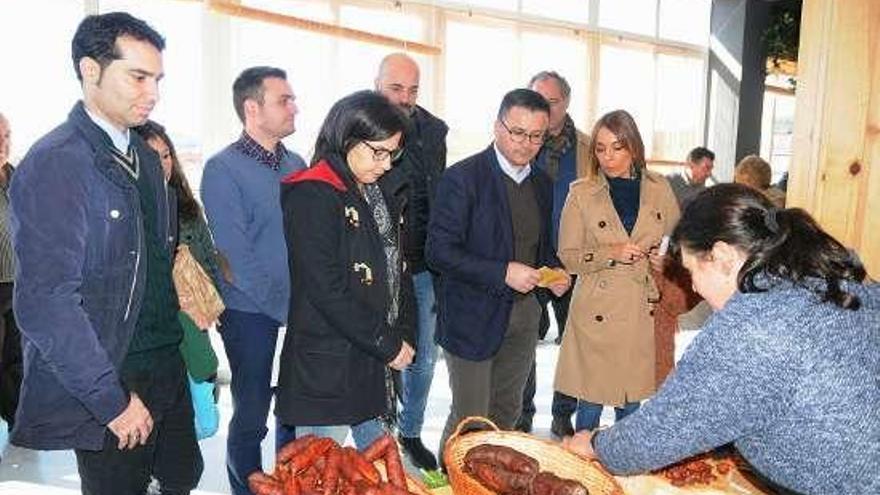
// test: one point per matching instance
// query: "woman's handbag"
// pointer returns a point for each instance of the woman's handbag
(195, 291)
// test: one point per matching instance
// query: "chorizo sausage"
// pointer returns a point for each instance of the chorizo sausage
(377, 449)
(394, 467)
(294, 447)
(504, 457)
(262, 484)
(498, 479)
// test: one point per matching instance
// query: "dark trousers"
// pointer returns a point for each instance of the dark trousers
(249, 340)
(493, 387)
(11, 367)
(563, 405)
(171, 454)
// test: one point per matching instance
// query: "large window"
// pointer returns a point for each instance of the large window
(38, 86)
(646, 56)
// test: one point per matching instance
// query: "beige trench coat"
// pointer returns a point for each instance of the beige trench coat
(607, 354)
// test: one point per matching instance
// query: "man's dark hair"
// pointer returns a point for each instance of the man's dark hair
(524, 98)
(699, 153)
(544, 75)
(249, 86)
(97, 34)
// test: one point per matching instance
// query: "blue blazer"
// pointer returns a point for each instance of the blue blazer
(470, 242)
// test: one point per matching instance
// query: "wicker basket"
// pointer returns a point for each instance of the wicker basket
(550, 456)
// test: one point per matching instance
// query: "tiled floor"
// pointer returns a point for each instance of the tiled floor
(27, 472)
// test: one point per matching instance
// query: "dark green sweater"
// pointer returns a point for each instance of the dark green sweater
(158, 332)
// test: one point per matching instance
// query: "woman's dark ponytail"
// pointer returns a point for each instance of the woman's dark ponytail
(782, 243)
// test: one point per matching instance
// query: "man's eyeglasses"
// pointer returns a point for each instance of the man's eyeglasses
(382, 154)
(518, 135)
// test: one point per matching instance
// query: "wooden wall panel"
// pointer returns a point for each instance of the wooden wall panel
(837, 123)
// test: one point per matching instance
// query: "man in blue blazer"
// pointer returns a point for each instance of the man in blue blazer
(488, 235)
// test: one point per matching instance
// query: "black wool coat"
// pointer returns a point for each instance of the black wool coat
(338, 342)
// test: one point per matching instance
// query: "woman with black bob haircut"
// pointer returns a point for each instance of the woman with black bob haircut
(351, 308)
(786, 369)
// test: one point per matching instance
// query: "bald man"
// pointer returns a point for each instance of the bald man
(10, 341)
(423, 162)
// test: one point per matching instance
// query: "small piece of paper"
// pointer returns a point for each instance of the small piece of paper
(549, 276)
(664, 245)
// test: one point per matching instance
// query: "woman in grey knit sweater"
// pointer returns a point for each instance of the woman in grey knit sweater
(787, 369)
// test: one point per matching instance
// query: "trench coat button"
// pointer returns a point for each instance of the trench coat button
(602, 224)
(651, 313)
(588, 257)
(114, 214)
(603, 284)
(599, 318)
(659, 216)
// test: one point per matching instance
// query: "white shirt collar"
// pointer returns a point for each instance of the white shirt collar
(517, 174)
(120, 139)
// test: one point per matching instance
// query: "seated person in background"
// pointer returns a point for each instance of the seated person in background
(787, 367)
(691, 180)
(755, 172)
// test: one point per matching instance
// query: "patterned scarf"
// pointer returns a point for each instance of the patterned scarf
(556, 146)
(388, 233)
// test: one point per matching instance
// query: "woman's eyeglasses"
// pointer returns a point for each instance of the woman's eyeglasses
(382, 154)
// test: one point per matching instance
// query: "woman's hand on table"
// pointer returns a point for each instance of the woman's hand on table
(580, 444)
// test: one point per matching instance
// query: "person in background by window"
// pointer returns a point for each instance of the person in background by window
(565, 156)
(423, 161)
(755, 172)
(10, 339)
(241, 194)
(691, 181)
(612, 228)
(94, 236)
(351, 306)
(787, 368)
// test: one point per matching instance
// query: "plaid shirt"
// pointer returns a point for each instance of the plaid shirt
(253, 149)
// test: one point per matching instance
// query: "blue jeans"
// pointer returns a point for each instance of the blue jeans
(364, 433)
(416, 378)
(249, 340)
(588, 414)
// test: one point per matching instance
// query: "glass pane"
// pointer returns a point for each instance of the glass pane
(471, 100)
(307, 9)
(392, 23)
(679, 106)
(685, 20)
(626, 81)
(568, 56)
(635, 16)
(310, 70)
(565, 10)
(510, 5)
(39, 73)
(180, 23)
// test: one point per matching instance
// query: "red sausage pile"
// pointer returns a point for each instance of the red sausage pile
(319, 466)
(698, 470)
(508, 472)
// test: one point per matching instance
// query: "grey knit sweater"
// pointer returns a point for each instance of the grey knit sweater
(793, 382)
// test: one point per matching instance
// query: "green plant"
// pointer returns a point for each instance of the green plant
(783, 32)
